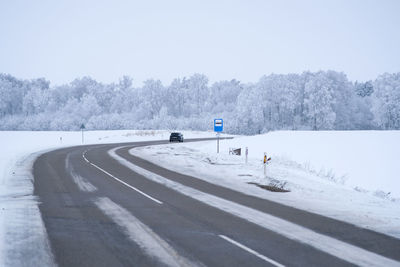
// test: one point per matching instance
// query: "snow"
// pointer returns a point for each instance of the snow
(347, 252)
(344, 175)
(81, 182)
(23, 238)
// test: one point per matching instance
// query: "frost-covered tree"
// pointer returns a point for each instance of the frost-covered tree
(12, 92)
(37, 98)
(176, 98)
(344, 99)
(364, 89)
(311, 100)
(223, 96)
(319, 101)
(151, 96)
(123, 98)
(197, 86)
(79, 87)
(386, 101)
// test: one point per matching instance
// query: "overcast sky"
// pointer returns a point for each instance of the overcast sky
(63, 40)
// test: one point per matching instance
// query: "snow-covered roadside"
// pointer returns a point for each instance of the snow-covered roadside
(346, 197)
(285, 228)
(23, 239)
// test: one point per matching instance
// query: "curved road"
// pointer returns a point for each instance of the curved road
(102, 206)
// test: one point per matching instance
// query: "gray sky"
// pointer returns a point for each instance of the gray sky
(63, 40)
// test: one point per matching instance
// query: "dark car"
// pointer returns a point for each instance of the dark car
(176, 137)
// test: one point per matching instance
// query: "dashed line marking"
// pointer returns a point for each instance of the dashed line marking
(119, 180)
(255, 253)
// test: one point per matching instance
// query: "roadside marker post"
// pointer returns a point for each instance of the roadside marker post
(265, 161)
(265, 164)
(82, 128)
(218, 127)
(247, 153)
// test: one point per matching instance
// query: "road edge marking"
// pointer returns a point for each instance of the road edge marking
(122, 182)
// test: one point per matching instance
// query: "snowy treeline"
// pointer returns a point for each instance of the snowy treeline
(322, 100)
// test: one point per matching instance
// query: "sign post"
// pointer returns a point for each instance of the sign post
(82, 128)
(218, 127)
(217, 142)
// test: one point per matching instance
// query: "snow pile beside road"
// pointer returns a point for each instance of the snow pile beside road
(336, 174)
(23, 239)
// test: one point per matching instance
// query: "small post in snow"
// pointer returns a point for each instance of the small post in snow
(265, 164)
(82, 128)
(247, 153)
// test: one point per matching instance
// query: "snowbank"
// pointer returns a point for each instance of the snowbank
(364, 159)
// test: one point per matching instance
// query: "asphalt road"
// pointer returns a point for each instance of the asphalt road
(98, 211)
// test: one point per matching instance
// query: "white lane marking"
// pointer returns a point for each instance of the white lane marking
(84, 157)
(150, 242)
(82, 183)
(330, 245)
(122, 182)
(252, 251)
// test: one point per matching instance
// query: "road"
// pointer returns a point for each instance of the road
(102, 206)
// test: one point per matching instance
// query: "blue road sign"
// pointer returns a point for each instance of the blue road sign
(218, 125)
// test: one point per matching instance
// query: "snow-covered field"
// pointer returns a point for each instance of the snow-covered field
(347, 175)
(20, 240)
